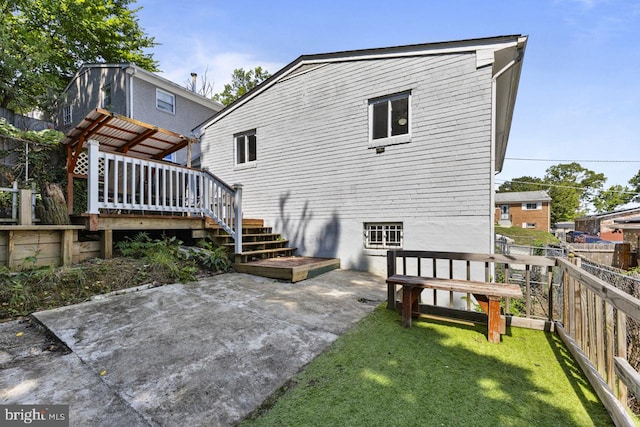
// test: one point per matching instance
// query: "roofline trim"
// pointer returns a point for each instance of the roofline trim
(425, 49)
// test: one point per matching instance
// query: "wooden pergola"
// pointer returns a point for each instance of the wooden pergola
(121, 135)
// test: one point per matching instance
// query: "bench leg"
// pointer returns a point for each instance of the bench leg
(494, 321)
(391, 296)
(410, 303)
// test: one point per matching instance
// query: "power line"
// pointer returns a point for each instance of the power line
(571, 160)
(545, 184)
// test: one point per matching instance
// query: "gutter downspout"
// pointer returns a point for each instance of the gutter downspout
(492, 198)
(129, 104)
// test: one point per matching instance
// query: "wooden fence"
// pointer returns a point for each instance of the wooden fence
(592, 317)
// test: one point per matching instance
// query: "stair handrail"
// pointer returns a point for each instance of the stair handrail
(223, 203)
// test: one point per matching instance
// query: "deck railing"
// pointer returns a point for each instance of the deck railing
(122, 183)
(596, 320)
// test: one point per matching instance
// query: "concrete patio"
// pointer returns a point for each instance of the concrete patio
(204, 354)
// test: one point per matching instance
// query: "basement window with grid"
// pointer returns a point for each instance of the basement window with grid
(389, 120)
(383, 235)
(246, 147)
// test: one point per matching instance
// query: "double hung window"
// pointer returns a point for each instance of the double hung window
(165, 101)
(246, 147)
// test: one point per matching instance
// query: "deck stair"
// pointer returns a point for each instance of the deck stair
(267, 254)
(258, 241)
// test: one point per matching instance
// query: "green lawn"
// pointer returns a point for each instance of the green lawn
(436, 374)
(528, 236)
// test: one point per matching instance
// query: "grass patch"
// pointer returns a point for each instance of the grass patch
(436, 374)
(528, 236)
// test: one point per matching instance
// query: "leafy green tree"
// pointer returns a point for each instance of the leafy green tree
(609, 199)
(571, 187)
(635, 187)
(44, 42)
(241, 82)
(523, 183)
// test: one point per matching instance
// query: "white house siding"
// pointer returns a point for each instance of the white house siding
(316, 180)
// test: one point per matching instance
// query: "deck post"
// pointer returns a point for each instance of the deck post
(92, 186)
(238, 215)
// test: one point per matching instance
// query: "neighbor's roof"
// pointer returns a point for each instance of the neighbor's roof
(120, 134)
(522, 196)
(504, 53)
(612, 214)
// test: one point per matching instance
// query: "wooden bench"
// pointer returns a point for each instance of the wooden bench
(487, 294)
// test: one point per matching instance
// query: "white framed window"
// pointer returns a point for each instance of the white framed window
(390, 119)
(67, 115)
(535, 206)
(528, 225)
(246, 145)
(383, 235)
(165, 101)
(106, 97)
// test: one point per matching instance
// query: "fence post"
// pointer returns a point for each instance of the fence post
(14, 202)
(92, 186)
(238, 215)
(25, 207)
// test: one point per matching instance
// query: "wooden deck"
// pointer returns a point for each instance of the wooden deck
(293, 269)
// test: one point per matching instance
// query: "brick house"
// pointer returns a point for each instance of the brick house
(525, 209)
(601, 224)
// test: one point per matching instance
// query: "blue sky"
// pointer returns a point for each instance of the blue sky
(579, 96)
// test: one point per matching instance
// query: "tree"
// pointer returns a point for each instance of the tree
(44, 42)
(635, 187)
(241, 82)
(204, 88)
(571, 188)
(523, 183)
(608, 200)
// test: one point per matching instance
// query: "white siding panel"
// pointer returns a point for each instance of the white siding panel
(316, 179)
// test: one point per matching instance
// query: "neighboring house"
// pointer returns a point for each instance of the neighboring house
(525, 209)
(601, 224)
(349, 154)
(133, 92)
(630, 229)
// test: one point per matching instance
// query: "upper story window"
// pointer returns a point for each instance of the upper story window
(246, 147)
(106, 97)
(389, 119)
(165, 101)
(532, 206)
(67, 116)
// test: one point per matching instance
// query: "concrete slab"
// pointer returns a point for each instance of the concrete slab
(36, 369)
(205, 353)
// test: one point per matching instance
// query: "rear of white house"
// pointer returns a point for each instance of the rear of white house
(349, 154)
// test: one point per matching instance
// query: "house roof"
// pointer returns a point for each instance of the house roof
(612, 214)
(153, 78)
(504, 53)
(120, 134)
(626, 224)
(522, 196)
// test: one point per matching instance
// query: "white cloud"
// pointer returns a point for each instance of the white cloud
(194, 55)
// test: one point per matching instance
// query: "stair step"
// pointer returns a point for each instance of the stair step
(262, 242)
(268, 251)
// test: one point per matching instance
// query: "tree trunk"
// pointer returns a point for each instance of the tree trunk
(53, 208)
